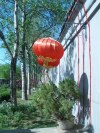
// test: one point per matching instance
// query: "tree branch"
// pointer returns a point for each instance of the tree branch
(5, 43)
(42, 33)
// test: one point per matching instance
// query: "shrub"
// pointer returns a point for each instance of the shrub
(12, 117)
(24, 115)
(4, 93)
(45, 99)
(57, 102)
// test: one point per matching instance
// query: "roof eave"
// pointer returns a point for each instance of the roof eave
(71, 16)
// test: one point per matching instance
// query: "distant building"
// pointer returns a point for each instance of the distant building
(4, 81)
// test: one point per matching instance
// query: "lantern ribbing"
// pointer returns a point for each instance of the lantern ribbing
(48, 50)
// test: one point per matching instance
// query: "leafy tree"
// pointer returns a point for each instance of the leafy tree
(40, 19)
(5, 71)
(11, 11)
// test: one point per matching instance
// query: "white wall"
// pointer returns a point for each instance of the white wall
(69, 68)
(95, 52)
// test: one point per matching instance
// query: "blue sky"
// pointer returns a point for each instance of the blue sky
(3, 56)
(3, 59)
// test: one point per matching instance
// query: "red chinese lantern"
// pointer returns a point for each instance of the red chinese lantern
(49, 64)
(48, 49)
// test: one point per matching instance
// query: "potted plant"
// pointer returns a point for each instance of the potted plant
(57, 102)
(70, 95)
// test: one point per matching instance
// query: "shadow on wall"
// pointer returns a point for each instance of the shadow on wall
(91, 129)
(68, 61)
(54, 74)
(84, 101)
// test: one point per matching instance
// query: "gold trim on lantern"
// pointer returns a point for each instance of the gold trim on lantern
(48, 59)
(46, 66)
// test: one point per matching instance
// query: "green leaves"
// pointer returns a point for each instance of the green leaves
(42, 18)
(69, 88)
(5, 71)
(57, 102)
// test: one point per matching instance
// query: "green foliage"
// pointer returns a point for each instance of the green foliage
(43, 99)
(22, 116)
(19, 95)
(57, 102)
(9, 115)
(5, 71)
(69, 89)
(42, 18)
(4, 93)
(46, 17)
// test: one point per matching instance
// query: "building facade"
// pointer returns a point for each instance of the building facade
(81, 41)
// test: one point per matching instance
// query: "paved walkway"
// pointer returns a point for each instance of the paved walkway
(45, 130)
(36, 130)
(76, 129)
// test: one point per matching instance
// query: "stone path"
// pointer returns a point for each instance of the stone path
(36, 130)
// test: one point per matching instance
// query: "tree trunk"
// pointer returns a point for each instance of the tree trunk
(29, 75)
(13, 81)
(23, 63)
(24, 80)
(36, 76)
(34, 79)
(14, 57)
